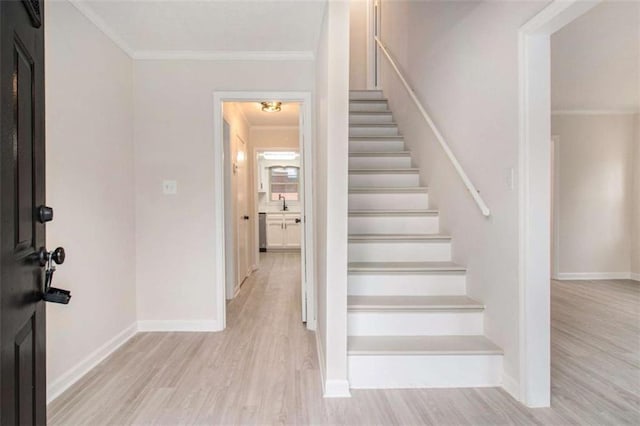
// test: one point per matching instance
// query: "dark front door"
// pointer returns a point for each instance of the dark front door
(22, 190)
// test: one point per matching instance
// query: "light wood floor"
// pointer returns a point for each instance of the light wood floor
(263, 369)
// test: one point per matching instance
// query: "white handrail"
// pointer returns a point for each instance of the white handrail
(456, 165)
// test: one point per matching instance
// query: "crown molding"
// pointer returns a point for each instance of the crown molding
(188, 55)
(619, 111)
(235, 55)
(96, 20)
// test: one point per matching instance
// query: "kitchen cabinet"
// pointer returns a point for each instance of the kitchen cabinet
(292, 232)
(275, 231)
(283, 232)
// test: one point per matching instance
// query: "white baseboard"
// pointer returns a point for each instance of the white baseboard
(185, 325)
(511, 386)
(595, 276)
(320, 352)
(330, 388)
(62, 383)
(337, 389)
(635, 276)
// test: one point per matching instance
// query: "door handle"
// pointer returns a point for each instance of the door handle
(298, 220)
(43, 257)
(49, 260)
(245, 217)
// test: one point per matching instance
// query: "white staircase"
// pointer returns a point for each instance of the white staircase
(410, 323)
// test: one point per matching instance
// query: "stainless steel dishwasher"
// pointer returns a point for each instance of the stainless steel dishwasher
(262, 231)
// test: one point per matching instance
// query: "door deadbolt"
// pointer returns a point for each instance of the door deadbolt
(45, 214)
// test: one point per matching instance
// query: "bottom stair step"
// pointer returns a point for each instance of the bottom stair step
(422, 345)
(392, 362)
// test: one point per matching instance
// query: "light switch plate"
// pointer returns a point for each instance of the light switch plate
(511, 178)
(169, 187)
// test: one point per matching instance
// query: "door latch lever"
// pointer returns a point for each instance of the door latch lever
(52, 294)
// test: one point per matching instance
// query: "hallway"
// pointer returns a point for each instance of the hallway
(263, 369)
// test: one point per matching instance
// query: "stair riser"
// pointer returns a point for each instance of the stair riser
(407, 284)
(424, 371)
(423, 251)
(419, 323)
(376, 146)
(394, 224)
(370, 118)
(384, 180)
(399, 201)
(374, 131)
(366, 94)
(379, 162)
(368, 106)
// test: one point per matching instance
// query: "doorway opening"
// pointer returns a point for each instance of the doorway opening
(543, 161)
(263, 189)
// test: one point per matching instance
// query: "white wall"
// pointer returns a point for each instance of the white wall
(595, 194)
(173, 132)
(595, 59)
(595, 83)
(461, 58)
(358, 44)
(331, 168)
(280, 137)
(90, 186)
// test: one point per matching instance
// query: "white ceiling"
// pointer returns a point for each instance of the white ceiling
(289, 116)
(147, 28)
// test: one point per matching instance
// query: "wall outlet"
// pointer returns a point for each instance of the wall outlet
(169, 187)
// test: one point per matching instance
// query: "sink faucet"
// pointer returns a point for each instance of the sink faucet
(284, 202)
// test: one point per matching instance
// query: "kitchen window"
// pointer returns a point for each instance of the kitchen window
(284, 181)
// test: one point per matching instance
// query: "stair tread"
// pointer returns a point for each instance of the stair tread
(421, 345)
(405, 266)
(407, 170)
(406, 212)
(387, 112)
(436, 303)
(376, 138)
(373, 125)
(361, 100)
(380, 154)
(398, 237)
(387, 190)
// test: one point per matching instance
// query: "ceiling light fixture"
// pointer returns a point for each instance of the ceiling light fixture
(272, 106)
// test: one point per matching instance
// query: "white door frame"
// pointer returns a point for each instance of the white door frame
(534, 40)
(306, 150)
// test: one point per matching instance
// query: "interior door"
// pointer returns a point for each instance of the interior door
(242, 194)
(22, 190)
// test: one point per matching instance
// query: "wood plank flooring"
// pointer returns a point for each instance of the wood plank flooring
(263, 369)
